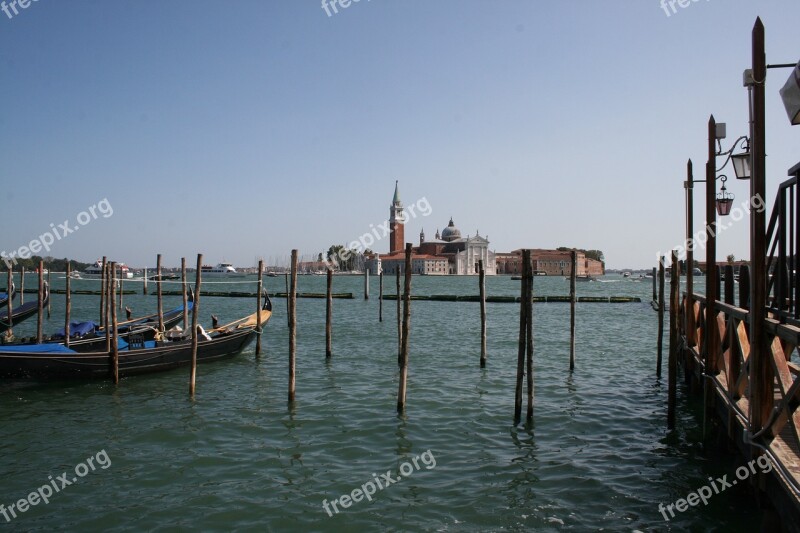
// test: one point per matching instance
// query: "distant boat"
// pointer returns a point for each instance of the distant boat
(222, 270)
(96, 271)
(626, 274)
(582, 278)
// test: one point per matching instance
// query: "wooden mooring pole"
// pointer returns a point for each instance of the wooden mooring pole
(329, 314)
(50, 287)
(144, 285)
(674, 318)
(655, 290)
(523, 330)
(21, 285)
(40, 310)
(401, 393)
(160, 297)
(195, 311)
(661, 306)
(380, 296)
(399, 318)
(185, 299)
(529, 339)
(9, 285)
(105, 295)
(114, 333)
(288, 306)
(366, 283)
(573, 277)
(103, 291)
(260, 286)
(67, 303)
(482, 289)
(292, 297)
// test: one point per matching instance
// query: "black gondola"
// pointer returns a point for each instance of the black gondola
(54, 361)
(4, 295)
(23, 311)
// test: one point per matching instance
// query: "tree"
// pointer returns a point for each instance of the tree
(731, 259)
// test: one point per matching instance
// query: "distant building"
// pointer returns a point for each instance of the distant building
(447, 253)
(549, 263)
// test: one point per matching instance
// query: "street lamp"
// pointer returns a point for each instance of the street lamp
(741, 161)
(724, 198)
(791, 96)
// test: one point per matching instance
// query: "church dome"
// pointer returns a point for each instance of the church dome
(451, 232)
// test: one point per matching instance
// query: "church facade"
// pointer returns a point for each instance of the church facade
(448, 253)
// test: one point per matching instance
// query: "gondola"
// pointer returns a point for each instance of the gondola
(23, 311)
(136, 356)
(4, 296)
(89, 337)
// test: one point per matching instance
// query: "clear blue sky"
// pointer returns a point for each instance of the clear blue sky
(247, 128)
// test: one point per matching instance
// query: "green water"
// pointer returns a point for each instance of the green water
(238, 458)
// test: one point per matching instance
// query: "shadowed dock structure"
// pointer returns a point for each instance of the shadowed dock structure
(739, 355)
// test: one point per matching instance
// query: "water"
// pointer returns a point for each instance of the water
(598, 456)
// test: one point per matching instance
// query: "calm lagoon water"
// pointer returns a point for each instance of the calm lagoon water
(598, 456)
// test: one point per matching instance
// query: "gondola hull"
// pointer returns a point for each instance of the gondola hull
(98, 365)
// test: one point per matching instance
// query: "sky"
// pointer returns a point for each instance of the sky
(249, 128)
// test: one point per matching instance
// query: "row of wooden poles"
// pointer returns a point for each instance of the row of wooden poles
(108, 315)
(674, 317)
(108, 311)
(525, 351)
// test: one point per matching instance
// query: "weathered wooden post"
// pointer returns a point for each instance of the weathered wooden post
(661, 306)
(195, 312)
(50, 287)
(106, 295)
(114, 333)
(328, 314)
(366, 283)
(529, 335)
(573, 277)
(288, 306)
(185, 299)
(292, 327)
(9, 306)
(482, 289)
(401, 393)
(674, 317)
(21, 285)
(144, 285)
(523, 329)
(691, 328)
(761, 369)
(258, 305)
(40, 310)
(103, 291)
(67, 304)
(655, 289)
(399, 319)
(158, 287)
(380, 296)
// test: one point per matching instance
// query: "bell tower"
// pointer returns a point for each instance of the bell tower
(396, 223)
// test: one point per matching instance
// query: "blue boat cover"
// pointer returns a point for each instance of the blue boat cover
(37, 348)
(76, 329)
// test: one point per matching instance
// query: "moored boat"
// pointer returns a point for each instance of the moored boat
(24, 311)
(136, 356)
